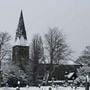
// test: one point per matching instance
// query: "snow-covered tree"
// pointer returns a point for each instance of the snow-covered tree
(85, 57)
(5, 47)
(12, 70)
(82, 73)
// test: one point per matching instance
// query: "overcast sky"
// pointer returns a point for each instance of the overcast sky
(71, 16)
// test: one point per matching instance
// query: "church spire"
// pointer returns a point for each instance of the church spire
(21, 32)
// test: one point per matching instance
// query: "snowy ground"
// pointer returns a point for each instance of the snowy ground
(43, 88)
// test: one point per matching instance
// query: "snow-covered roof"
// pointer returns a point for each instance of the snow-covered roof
(68, 62)
(21, 42)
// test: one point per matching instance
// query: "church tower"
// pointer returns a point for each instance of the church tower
(20, 49)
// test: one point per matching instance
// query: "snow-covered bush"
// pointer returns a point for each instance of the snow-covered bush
(12, 72)
(82, 72)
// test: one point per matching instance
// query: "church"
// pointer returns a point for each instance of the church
(20, 54)
(20, 57)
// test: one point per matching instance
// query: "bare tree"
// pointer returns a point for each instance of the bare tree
(56, 46)
(5, 49)
(37, 50)
(37, 53)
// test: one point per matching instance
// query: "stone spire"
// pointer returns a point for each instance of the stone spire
(21, 36)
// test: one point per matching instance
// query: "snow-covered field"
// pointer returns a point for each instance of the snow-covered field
(43, 88)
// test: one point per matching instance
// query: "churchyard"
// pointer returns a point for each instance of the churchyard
(43, 63)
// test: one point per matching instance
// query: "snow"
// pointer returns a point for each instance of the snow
(44, 88)
(21, 41)
(68, 62)
(70, 75)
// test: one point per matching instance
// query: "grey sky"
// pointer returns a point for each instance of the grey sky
(72, 16)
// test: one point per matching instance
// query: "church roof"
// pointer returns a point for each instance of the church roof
(21, 28)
